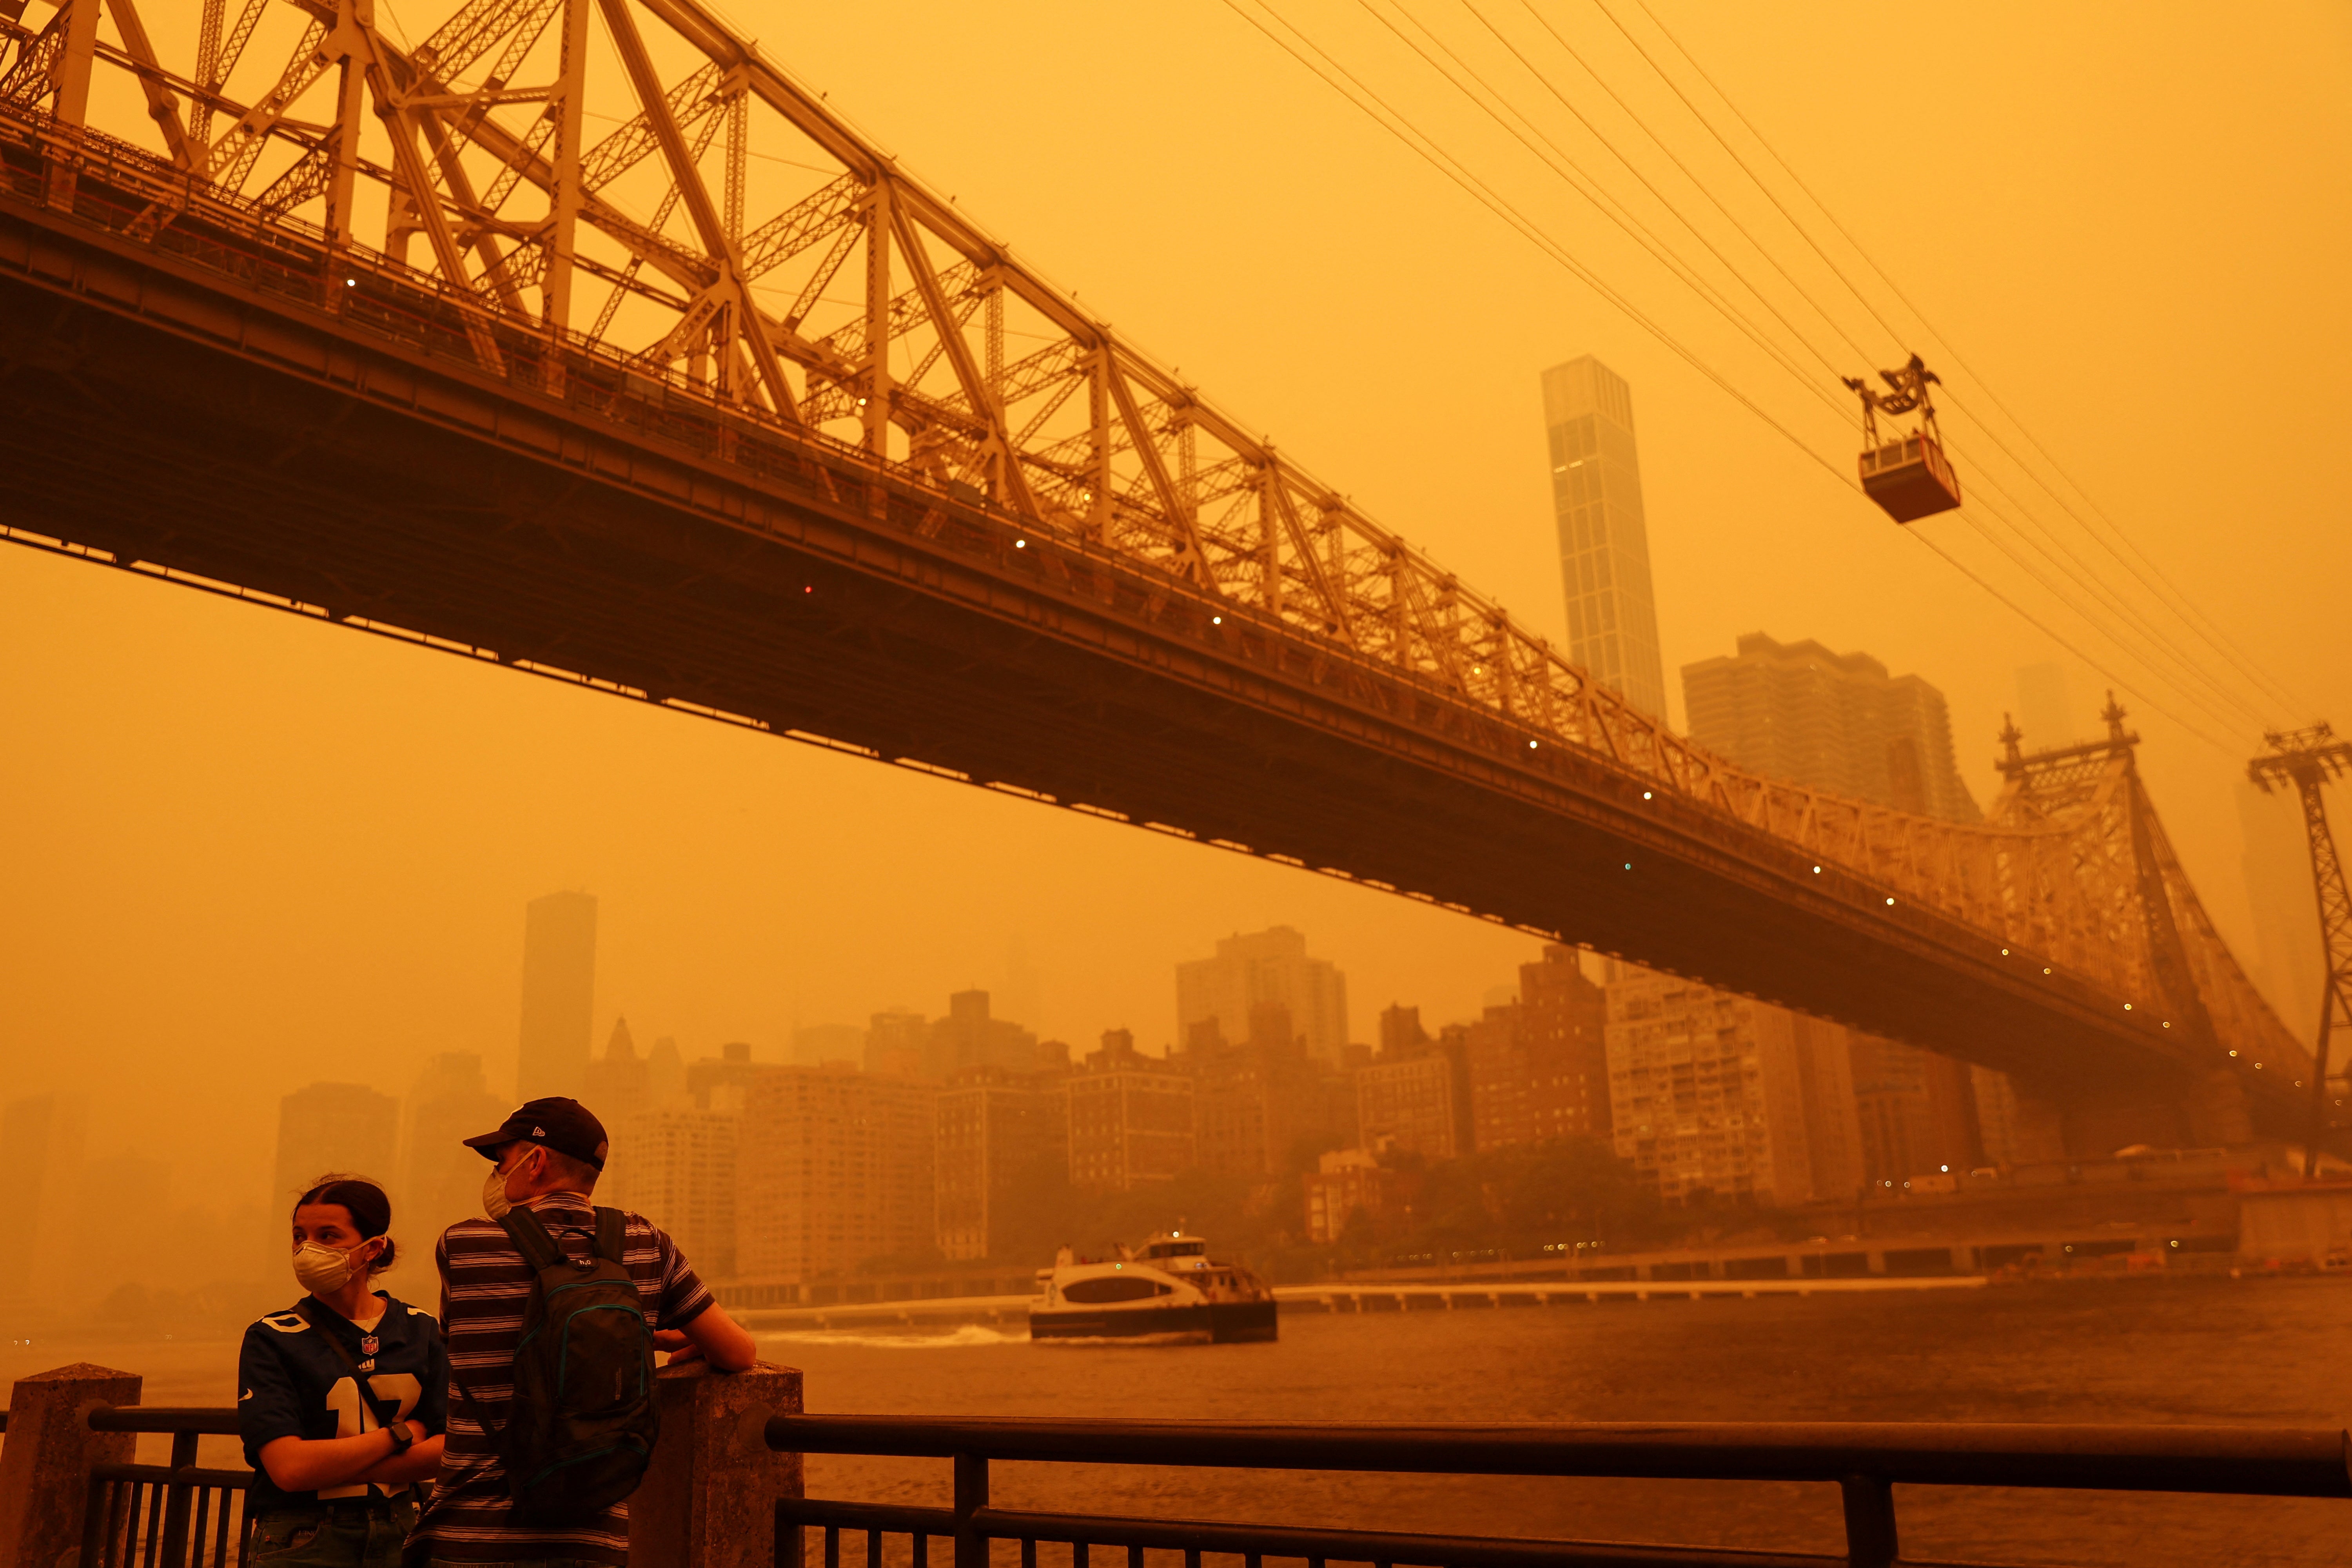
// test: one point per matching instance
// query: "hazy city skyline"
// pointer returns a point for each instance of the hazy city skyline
(263, 843)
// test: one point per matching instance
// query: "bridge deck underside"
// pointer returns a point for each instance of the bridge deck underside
(170, 420)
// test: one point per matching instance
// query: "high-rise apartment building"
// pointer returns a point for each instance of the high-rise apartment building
(1415, 1103)
(1916, 1110)
(970, 1037)
(619, 1082)
(1708, 1091)
(1257, 1102)
(721, 1082)
(832, 1168)
(1001, 1135)
(345, 1127)
(1255, 970)
(1840, 723)
(440, 1178)
(2292, 967)
(559, 994)
(41, 1168)
(1348, 1188)
(1605, 540)
(897, 1043)
(675, 1165)
(1401, 1032)
(1832, 721)
(1131, 1117)
(1538, 1066)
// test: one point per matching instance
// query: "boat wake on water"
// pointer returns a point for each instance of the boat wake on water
(968, 1335)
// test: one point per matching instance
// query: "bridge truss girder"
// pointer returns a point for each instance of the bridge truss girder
(867, 318)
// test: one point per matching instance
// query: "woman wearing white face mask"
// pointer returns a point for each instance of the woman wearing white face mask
(342, 1397)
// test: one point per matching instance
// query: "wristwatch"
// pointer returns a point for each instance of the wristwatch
(401, 1438)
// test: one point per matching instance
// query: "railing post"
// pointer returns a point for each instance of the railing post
(708, 1498)
(1869, 1522)
(178, 1500)
(45, 1465)
(970, 1496)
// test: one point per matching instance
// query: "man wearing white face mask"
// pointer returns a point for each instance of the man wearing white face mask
(549, 1276)
(341, 1397)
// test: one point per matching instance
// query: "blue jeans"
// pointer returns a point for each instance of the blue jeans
(332, 1535)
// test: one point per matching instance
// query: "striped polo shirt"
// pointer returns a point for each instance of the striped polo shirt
(485, 1285)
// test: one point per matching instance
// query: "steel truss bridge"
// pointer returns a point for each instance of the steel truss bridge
(711, 404)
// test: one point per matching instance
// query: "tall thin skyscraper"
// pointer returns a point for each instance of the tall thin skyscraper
(558, 993)
(1604, 544)
(441, 1179)
(41, 1171)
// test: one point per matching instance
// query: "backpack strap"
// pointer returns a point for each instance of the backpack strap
(528, 1233)
(612, 1235)
(490, 1429)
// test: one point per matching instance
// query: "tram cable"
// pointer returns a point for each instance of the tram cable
(2218, 714)
(1631, 113)
(2168, 594)
(2049, 546)
(1631, 167)
(1641, 232)
(2225, 747)
(1380, 112)
(2104, 600)
(1404, 130)
(2108, 599)
(2060, 555)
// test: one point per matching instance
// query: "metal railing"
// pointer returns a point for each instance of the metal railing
(1865, 1461)
(174, 1515)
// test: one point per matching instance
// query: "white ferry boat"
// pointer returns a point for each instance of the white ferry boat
(1168, 1290)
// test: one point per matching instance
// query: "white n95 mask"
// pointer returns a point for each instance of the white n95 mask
(494, 1195)
(322, 1269)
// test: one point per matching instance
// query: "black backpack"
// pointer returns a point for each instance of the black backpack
(582, 1425)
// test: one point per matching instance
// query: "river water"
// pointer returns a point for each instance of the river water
(2181, 1351)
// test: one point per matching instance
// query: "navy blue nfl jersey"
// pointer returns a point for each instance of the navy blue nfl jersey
(292, 1384)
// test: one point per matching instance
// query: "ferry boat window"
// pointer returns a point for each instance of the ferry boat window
(1178, 1248)
(1112, 1288)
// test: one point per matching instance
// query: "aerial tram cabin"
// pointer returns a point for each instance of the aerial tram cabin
(1908, 477)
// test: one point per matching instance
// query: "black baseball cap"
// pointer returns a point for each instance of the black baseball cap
(563, 1125)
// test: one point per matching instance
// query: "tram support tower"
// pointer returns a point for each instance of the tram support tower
(2308, 759)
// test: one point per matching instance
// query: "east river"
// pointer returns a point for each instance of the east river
(2196, 1351)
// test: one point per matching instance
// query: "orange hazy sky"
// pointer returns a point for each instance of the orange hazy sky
(243, 852)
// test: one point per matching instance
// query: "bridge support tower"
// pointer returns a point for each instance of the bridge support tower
(2308, 759)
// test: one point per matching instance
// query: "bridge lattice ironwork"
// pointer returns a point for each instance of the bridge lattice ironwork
(722, 238)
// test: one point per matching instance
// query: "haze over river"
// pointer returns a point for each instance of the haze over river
(2196, 1351)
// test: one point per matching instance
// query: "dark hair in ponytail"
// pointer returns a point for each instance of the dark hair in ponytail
(365, 1201)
